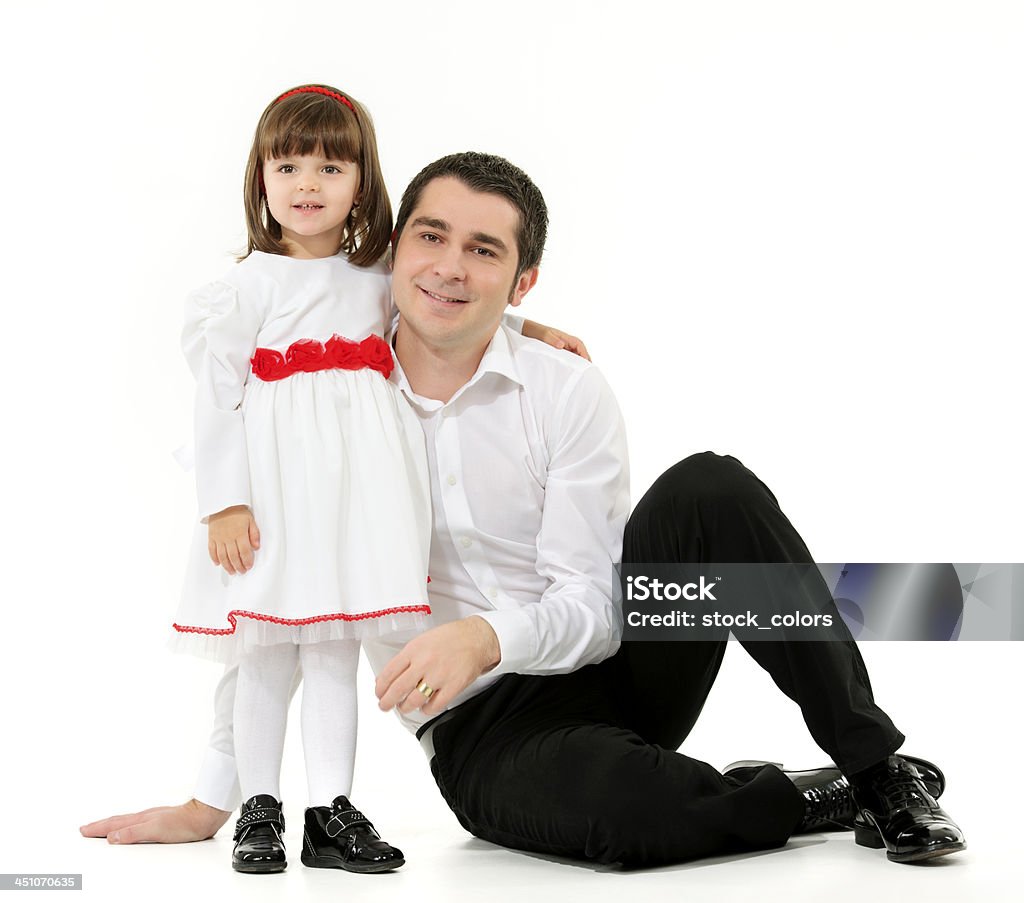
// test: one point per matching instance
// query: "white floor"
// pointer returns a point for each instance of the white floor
(446, 864)
(100, 763)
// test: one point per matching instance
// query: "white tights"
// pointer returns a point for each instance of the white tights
(265, 676)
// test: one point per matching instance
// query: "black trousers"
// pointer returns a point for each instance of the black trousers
(583, 765)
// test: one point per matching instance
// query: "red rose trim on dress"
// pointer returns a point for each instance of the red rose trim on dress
(310, 355)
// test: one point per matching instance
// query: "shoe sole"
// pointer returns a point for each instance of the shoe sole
(370, 868)
(922, 855)
(259, 868)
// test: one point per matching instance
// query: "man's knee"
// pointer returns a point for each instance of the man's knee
(704, 491)
(706, 476)
(704, 479)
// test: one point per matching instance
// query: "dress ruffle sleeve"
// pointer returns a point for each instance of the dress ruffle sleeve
(219, 338)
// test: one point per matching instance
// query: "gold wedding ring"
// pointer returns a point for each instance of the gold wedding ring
(425, 689)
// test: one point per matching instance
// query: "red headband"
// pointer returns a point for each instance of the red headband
(313, 89)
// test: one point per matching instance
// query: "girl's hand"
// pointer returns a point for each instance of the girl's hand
(555, 337)
(234, 537)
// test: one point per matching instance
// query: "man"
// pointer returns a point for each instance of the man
(541, 735)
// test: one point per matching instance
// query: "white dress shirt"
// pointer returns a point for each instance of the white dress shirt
(529, 485)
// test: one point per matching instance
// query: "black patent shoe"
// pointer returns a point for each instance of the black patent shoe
(897, 812)
(341, 837)
(258, 844)
(826, 794)
(932, 776)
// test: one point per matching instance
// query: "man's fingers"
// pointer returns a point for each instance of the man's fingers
(413, 700)
(125, 835)
(104, 826)
(398, 692)
(167, 826)
(211, 547)
(399, 688)
(254, 534)
(154, 830)
(437, 703)
(389, 672)
(429, 704)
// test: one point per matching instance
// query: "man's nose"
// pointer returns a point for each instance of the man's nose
(448, 264)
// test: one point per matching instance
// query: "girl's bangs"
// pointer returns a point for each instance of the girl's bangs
(319, 129)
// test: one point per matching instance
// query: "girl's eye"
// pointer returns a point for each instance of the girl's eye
(332, 169)
(286, 168)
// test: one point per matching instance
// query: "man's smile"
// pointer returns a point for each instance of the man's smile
(444, 299)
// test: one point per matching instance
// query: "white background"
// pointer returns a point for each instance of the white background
(789, 231)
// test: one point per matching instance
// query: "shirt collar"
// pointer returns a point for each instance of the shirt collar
(497, 358)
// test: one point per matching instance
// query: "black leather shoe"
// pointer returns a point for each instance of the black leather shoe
(258, 844)
(341, 837)
(898, 812)
(826, 793)
(932, 776)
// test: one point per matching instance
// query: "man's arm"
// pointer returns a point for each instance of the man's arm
(586, 504)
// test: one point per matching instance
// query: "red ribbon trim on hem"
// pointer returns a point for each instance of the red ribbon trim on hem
(300, 622)
(311, 355)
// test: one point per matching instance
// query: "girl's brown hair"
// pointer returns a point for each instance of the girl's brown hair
(310, 122)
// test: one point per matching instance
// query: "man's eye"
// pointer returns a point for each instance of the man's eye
(429, 236)
(483, 252)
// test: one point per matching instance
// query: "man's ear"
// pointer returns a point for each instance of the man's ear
(526, 281)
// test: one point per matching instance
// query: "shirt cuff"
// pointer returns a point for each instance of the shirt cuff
(217, 784)
(514, 630)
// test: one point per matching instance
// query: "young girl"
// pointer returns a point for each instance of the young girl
(310, 471)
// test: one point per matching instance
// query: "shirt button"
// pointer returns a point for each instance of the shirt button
(466, 542)
(492, 593)
(451, 479)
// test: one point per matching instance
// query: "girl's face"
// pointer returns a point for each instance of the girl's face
(311, 196)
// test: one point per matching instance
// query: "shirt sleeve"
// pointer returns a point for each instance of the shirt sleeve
(586, 502)
(217, 784)
(219, 339)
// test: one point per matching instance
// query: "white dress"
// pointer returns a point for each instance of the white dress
(331, 462)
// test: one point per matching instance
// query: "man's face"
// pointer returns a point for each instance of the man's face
(455, 266)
